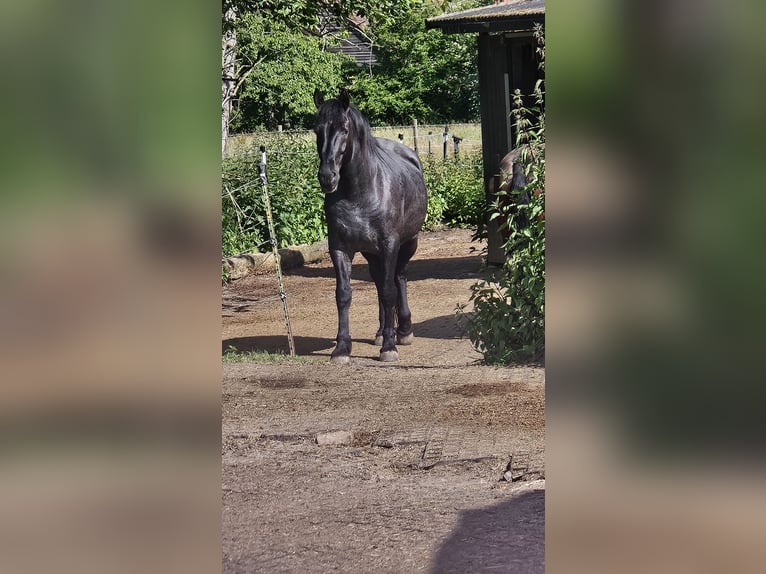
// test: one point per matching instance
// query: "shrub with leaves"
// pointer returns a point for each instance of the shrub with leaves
(455, 191)
(297, 203)
(508, 321)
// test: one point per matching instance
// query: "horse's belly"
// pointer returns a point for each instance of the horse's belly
(359, 237)
(362, 230)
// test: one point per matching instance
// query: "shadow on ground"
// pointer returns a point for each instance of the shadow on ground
(278, 344)
(506, 537)
(443, 327)
(417, 270)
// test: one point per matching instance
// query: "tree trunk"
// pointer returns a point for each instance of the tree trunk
(228, 68)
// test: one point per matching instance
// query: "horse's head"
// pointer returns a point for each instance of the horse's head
(332, 130)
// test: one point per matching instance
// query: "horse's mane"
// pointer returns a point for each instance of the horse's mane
(361, 127)
(362, 133)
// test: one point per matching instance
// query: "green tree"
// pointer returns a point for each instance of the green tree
(289, 66)
(421, 73)
(299, 17)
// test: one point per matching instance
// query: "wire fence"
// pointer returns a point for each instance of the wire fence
(454, 181)
(438, 140)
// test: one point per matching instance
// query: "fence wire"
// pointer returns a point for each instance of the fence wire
(430, 138)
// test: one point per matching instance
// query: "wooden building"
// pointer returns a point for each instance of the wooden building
(356, 44)
(507, 61)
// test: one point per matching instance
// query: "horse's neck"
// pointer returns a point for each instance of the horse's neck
(359, 164)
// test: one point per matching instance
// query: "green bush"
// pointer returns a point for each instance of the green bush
(508, 320)
(296, 199)
(455, 191)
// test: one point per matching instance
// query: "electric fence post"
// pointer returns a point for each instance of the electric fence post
(275, 248)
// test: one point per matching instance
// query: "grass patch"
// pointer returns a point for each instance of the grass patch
(234, 355)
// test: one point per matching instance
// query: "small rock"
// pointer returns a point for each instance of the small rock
(335, 438)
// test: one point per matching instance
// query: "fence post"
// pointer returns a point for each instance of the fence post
(444, 143)
(275, 248)
(456, 142)
(415, 133)
(430, 133)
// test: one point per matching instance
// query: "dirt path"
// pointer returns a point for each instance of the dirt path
(413, 483)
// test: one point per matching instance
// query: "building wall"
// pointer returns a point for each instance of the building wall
(495, 124)
(505, 64)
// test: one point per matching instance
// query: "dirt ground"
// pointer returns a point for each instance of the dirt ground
(432, 464)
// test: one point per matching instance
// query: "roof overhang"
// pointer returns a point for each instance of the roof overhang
(511, 16)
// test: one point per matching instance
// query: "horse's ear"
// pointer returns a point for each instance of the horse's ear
(343, 98)
(318, 98)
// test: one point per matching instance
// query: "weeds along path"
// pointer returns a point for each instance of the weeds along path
(434, 464)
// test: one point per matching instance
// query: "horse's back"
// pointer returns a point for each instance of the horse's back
(404, 162)
(402, 153)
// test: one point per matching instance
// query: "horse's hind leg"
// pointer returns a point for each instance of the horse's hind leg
(404, 334)
(387, 291)
(376, 271)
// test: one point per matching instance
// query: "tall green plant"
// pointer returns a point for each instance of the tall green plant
(508, 320)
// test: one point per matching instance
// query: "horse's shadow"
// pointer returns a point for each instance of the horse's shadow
(359, 272)
(417, 269)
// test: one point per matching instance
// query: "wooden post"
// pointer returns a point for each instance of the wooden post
(430, 133)
(415, 134)
(456, 142)
(444, 143)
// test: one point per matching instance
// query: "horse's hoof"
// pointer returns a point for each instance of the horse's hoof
(340, 360)
(378, 340)
(389, 356)
(405, 339)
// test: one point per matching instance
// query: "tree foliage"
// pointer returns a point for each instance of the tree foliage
(421, 73)
(286, 69)
(287, 49)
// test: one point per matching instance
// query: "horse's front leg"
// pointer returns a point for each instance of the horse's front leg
(387, 293)
(341, 261)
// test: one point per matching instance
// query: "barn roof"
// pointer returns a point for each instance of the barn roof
(508, 16)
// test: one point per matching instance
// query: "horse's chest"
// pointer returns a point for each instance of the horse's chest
(353, 226)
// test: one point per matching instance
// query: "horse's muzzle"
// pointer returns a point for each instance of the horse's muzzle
(329, 182)
(328, 189)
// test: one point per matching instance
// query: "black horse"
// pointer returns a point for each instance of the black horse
(375, 202)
